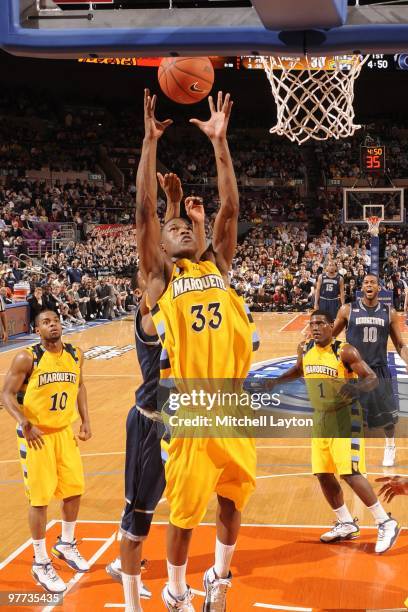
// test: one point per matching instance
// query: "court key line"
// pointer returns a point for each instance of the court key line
(91, 562)
(271, 446)
(20, 549)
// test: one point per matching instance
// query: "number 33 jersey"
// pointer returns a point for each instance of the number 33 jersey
(206, 330)
(51, 391)
(368, 330)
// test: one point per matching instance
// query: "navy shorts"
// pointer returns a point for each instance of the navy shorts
(379, 405)
(330, 306)
(144, 474)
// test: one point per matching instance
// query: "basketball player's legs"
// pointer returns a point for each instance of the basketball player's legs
(144, 486)
(195, 469)
(348, 457)
(69, 489)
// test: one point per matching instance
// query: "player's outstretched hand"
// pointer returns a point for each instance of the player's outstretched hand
(393, 485)
(216, 126)
(33, 435)
(195, 209)
(171, 185)
(85, 432)
(153, 128)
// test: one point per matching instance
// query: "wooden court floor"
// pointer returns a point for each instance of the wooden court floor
(279, 564)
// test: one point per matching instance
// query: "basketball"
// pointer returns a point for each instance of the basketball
(186, 80)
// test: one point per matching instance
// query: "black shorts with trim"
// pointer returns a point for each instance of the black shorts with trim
(144, 474)
(379, 405)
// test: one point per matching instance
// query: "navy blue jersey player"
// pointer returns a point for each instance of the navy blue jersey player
(329, 295)
(369, 324)
(144, 470)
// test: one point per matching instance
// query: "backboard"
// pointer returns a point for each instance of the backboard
(361, 203)
(69, 29)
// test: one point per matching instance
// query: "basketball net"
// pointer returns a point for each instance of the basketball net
(314, 95)
(374, 225)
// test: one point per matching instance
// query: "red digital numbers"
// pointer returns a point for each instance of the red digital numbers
(373, 159)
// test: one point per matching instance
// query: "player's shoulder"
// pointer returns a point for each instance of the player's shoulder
(23, 360)
(74, 351)
(304, 346)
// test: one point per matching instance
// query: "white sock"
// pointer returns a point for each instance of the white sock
(131, 592)
(68, 529)
(378, 513)
(389, 441)
(223, 557)
(40, 551)
(343, 514)
(177, 579)
(116, 564)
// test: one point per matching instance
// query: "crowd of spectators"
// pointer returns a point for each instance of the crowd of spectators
(286, 245)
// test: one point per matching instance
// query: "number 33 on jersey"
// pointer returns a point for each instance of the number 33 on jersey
(206, 330)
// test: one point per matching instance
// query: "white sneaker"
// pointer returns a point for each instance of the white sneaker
(388, 532)
(341, 531)
(68, 552)
(215, 591)
(45, 575)
(389, 456)
(115, 572)
(178, 604)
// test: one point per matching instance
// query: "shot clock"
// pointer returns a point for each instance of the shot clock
(372, 159)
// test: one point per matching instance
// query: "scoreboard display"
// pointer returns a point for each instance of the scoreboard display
(372, 159)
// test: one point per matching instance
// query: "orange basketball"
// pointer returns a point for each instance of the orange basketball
(186, 80)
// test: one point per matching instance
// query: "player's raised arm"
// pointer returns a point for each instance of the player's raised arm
(196, 214)
(396, 337)
(226, 222)
(20, 369)
(151, 259)
(171, 185)
(341, 319)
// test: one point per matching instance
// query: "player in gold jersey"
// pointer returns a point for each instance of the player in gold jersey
(41, 392)
(206, 333)
(328, 367)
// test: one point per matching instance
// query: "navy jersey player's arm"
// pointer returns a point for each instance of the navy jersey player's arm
(82, 401)
(225, 230)
(153, 265)
(19, 371)
(341, 319)
(352, 359)
(196, 214)
(396, 337)
(317, 292)
(341, 287)
(171, 185)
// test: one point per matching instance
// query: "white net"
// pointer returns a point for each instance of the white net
(374, 225)
(314, 96)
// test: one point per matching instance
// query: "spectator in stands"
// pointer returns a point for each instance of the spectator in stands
(74, 272)
(36, 304)
(3, 319)
(105, 299)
